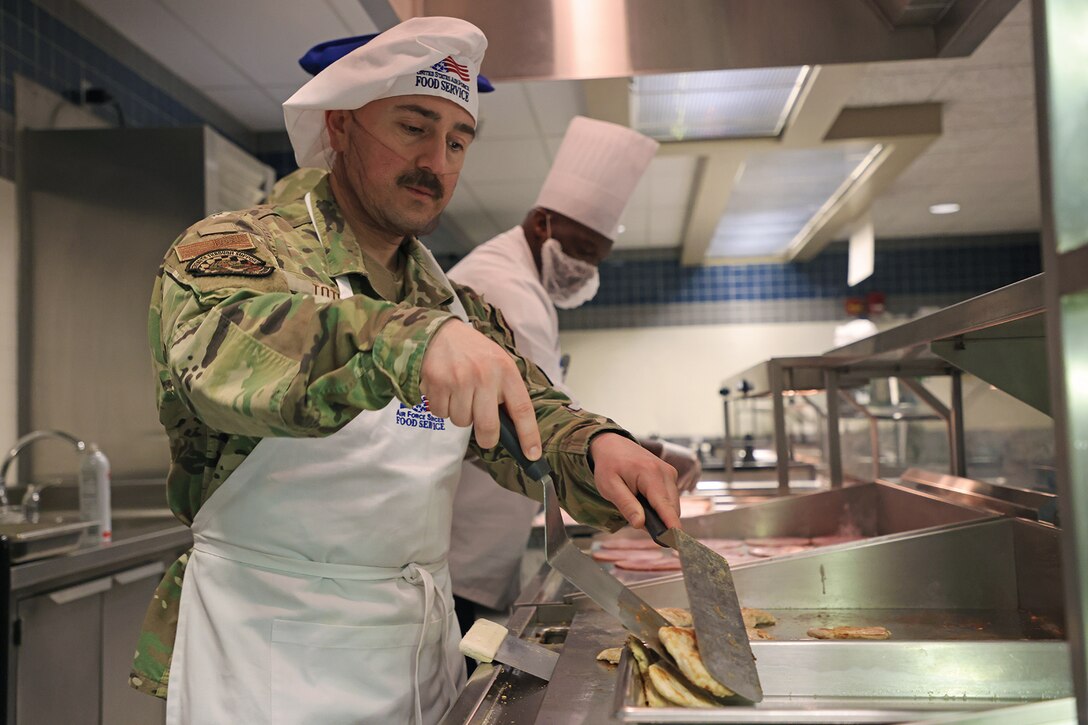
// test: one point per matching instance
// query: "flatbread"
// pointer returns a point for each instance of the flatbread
(610, 655)
(642, 669)
(640, 543)
(850, 633)
(676, 616)
(779, 541)
(755, 617)
(675, 692)
(663, 563)
(681, 643)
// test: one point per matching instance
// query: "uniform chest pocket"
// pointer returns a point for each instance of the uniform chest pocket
(330, 674)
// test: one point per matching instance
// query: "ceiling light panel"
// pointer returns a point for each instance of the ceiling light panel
(777, 192)
(715, 104)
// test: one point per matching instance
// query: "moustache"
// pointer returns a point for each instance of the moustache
(423, 179)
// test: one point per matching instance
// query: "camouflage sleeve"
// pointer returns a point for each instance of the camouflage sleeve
(566, 433)
(251, 358)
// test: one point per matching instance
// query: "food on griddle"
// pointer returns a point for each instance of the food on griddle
(676, 616)
(610, 655)
(769, 551)
(646, 543)
(614, 555)
(833, 539)
(661, 563)
(681, 643)
(755, 617)
(755, 633)
(722, 544)
(849, 633)
(642, 670)
(779, 541)
(674, 691)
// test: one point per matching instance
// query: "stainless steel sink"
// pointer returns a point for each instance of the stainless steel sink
(53, 534)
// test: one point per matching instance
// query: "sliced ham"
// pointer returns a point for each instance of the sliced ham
(779, 541)
(628, 544)
(833, 539)
(662, 563)
(722, 544)
(618, 554)
(769, 551)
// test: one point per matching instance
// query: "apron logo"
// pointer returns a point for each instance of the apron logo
(419, 416)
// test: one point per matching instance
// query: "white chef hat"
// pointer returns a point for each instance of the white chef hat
(431, 56)
(595, 172)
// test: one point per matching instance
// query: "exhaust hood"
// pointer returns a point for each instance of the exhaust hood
(582, 39)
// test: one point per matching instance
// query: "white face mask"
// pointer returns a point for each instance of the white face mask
(569, 282)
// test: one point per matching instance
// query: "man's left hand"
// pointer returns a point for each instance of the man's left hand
(623, 468)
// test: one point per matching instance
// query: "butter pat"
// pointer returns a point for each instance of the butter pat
(483, 640)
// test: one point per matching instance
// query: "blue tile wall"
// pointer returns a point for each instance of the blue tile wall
(963, 268)
(37, 45)
(910, 273)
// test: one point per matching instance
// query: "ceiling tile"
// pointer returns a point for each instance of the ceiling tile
(506, 114)
(976, 84)
(251, 106)
(354, 17)
(555, 103)
(264, 43)
(158, 33)
(491, 160)
(506, 202)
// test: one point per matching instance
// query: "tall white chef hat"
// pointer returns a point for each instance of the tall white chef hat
(595, 172)
(431, 56)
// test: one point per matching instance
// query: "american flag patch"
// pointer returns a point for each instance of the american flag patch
(449, 65)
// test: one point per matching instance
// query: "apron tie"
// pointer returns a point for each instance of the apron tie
(416, 574)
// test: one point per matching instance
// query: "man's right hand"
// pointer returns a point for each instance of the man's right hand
(466, 376)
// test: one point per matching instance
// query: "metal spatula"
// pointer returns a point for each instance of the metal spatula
(608, 592)
(719, 625)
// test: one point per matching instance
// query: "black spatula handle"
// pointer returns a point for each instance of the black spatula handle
(654, 525)
(508, 437)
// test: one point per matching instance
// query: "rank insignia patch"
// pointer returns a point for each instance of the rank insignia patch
(192, 250)
(229, 262)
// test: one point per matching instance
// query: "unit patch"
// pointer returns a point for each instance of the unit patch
(192, 250)
(229, 262)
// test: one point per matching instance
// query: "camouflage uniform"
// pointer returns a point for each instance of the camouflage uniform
(247, 342)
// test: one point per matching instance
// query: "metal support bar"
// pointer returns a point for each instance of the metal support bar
(874, 432)
(958, 452)
(942, 411)
(781, 444)
(727, 442)
(834, 443)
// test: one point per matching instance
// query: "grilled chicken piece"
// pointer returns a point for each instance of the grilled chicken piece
(754, 617)
(610, 655)
(849, 633)
(675, 692)
(676, 616)
(681, 644)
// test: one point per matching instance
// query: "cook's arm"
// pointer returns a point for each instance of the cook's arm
(565, 433)
(251, 358)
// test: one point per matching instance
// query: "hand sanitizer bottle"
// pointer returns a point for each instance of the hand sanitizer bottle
(94, 492)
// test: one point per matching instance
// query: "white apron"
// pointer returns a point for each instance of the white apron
(317, 590)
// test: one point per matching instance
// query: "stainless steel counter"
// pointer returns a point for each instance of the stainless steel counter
(974, 603)
(146, 539)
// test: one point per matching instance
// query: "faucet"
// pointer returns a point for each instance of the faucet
(22, 443)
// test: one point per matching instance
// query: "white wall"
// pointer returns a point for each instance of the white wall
(665, 380)
(8, 266)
